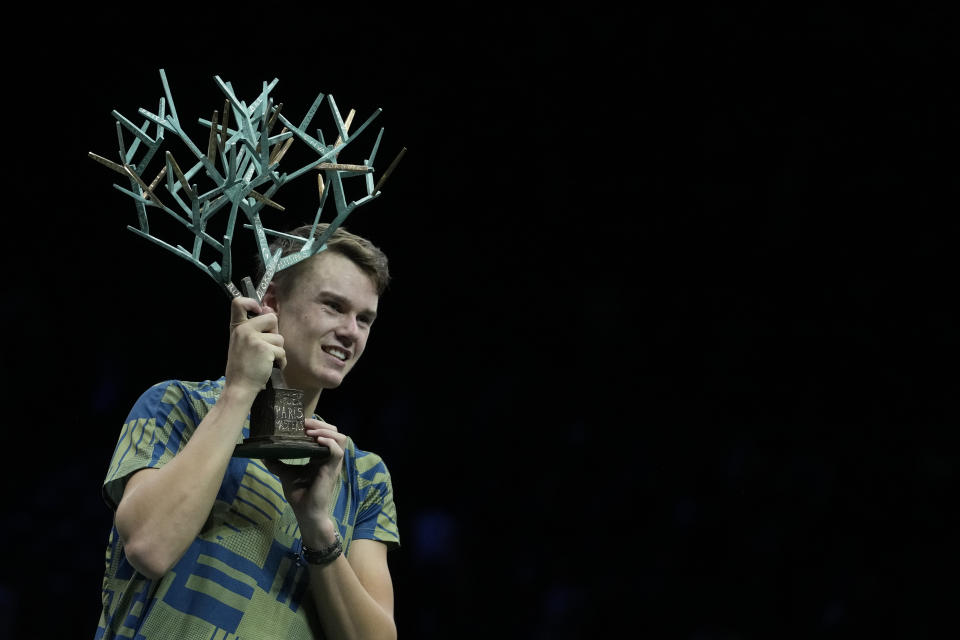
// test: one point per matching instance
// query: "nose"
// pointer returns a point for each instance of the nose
(349, 329)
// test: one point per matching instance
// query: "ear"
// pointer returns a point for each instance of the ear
(270, 298)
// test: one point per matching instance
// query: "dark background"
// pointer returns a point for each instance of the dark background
(671, 344)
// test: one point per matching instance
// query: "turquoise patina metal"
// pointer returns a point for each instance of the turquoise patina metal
(241, 163)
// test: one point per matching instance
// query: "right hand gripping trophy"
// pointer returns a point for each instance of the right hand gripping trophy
(243, 166)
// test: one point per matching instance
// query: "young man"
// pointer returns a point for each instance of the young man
(205, 545)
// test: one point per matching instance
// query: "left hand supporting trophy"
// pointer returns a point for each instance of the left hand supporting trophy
(241, 166)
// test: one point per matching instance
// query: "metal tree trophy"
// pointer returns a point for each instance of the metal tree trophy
(242, 166)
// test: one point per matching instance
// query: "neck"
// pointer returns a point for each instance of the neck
(310, 399)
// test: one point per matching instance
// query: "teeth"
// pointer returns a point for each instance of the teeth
(337, 353)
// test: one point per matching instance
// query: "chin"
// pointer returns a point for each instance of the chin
(331, 384)
(330, 381)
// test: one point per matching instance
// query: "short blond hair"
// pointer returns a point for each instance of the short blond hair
(357, 249)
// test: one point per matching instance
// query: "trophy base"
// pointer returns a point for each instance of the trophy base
(280, 447)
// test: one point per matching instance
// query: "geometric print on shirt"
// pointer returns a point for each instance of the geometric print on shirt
(240, 577)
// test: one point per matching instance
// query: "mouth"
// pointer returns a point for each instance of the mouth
(340, 354)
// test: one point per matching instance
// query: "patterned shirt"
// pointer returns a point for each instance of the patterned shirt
(240, 578)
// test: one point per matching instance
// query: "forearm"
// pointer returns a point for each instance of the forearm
(354, 597)
(346, 608)
(163, 510)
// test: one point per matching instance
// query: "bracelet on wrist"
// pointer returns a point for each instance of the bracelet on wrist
(324, 556)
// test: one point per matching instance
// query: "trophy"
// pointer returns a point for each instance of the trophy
(241, 169)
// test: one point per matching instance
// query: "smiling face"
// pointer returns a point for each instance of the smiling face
(325, 319)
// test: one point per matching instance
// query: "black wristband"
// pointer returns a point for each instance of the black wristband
(321, 557)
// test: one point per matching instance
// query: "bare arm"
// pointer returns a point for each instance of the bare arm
(353, 596)
(162, 510)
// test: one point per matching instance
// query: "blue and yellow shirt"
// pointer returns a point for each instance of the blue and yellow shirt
(240, 578)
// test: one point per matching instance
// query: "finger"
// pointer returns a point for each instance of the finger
(324, 431)
(313, 423)
(336, 450)
(335, 442)
(260, 347)
(255, 334)
(327, 439)
(273, 339)
(240, 308)
(264, 323)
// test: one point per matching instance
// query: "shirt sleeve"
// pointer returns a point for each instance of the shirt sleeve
(157, 427)
(377, 514)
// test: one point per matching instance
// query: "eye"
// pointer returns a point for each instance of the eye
(334, 305)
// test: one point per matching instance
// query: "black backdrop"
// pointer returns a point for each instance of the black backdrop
(671, 342)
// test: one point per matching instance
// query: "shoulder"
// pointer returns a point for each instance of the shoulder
(363, 461)
(357, 460)
(369, 473)
(164, 396)
(376, 513)
(180, 388)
